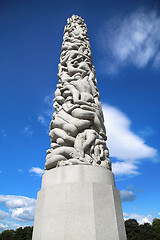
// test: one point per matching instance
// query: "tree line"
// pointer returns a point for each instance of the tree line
(134, 231)
(146, 231)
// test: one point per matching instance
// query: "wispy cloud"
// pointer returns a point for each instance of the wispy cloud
(130, 187)
(139, 190)
(3, 215)
(49, 99)
(132, 39)
(21, 208)
(153, 212)
(3, 134)
(127, 196)
(13, 225)
(38, 171)
(47, 111)
(42, 120)
(124, 145)
(28, 131)
(146, 132)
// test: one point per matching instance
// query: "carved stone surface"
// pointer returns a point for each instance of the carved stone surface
(80, 201)
(77, 130)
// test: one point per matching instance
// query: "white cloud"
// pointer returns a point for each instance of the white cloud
(3, 227)
(132, 39)
(125, 214)
(122, 168)
(10, 224)
(38, 171)
(21, 208)
(124, 145)
(23, 214)
(127, 196)
(140, 218)
(3, 215)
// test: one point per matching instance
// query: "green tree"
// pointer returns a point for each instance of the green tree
(146, 232)
(28, 233)
(23, 234)
(19, 234)
(7, 235)
(132, 229)
(135, 231)
(156, 228)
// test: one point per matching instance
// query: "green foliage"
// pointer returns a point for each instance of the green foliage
(156, 228)
(132, 229)
(135, 231)
(7, 235)
(18, 234)
(146, 232)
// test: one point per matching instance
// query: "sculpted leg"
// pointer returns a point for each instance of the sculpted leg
(59, 133)
(78, 123)
(83, 114)
(67, 127)
(58, 154)
(83, 141)
(51, 162)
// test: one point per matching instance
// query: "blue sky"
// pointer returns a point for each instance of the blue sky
(125, 43)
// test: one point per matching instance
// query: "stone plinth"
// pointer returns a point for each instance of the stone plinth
(78, 203)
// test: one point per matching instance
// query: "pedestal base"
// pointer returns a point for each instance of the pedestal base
(78, 203)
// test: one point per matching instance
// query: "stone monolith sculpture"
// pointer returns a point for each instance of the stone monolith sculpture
(78, 199)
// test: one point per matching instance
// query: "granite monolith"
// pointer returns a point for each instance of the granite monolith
(78, 198)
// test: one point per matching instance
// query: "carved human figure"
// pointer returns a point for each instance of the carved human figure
(83, 141)
(77, 130)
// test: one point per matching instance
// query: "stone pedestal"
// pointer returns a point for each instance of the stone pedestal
(78, 203)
